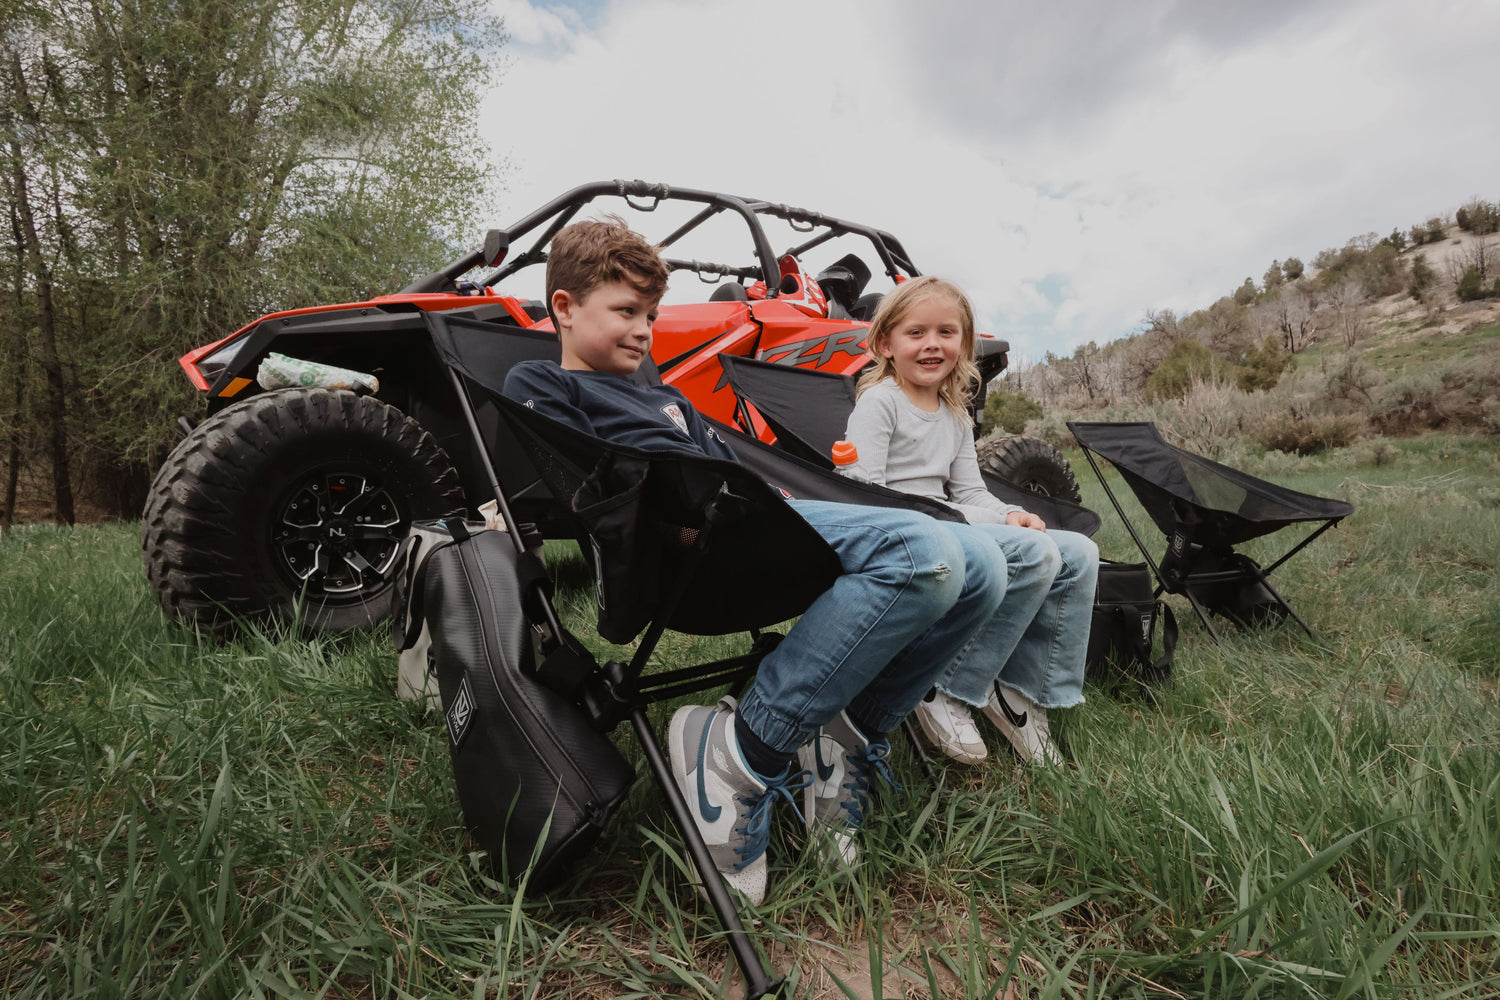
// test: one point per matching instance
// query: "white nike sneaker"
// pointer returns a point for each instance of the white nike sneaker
(1024, 723)
(950, 728)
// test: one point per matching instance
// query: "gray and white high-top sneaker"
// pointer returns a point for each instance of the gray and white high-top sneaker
(841, 762)
(730, 803)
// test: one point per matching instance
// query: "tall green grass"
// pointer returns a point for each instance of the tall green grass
(1289, 818)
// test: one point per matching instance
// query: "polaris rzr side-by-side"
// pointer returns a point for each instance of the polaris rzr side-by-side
(303, 493)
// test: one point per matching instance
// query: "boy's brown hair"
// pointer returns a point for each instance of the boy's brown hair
(586, 255)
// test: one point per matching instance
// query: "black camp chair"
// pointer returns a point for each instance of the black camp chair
(679, 542)
(1205, 509)
(808, 411)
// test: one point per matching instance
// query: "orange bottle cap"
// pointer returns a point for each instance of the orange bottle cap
(844, 453)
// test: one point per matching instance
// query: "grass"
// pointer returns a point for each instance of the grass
(261, 818)
(1397, 356)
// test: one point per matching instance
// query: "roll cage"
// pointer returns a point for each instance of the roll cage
(644, 196)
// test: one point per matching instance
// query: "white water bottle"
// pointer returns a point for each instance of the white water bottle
(846, 461)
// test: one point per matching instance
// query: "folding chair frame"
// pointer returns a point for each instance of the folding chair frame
(1186, 583)
(617, 691)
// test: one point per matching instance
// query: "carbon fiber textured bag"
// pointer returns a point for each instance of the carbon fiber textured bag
(536, 781)
(1124, 624)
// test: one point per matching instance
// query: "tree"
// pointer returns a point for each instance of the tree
(1086, 370)
(202, 163)
(1246, 293)
(1346, 301)
(1227, 327)
(1292, 268)
(1479, 217)
(24, 126)
(1476, 259)
(1294, 314)
(1186, 363)
(1273, 276)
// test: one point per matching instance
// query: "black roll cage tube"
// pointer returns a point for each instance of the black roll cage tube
(561, 210)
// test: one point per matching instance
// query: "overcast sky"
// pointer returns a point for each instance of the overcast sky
(1070, 164)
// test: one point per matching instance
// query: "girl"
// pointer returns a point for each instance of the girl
(914, 434)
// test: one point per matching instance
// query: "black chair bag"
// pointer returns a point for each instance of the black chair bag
(1123, 631)
(536, 780)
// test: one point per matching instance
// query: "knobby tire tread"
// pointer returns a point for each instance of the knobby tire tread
(195, 560)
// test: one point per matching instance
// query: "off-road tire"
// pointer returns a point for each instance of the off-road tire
(247, 516)
(1030, 464)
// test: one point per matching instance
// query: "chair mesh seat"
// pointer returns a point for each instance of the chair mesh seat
(1205, 508)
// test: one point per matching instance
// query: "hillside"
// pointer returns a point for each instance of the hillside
(1372, 341)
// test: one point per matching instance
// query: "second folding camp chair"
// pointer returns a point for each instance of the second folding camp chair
(808, 410)
(1205, 509)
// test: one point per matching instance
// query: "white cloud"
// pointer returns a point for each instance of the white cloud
(1069, 166)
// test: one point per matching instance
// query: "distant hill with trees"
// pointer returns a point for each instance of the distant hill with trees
(1383, 336)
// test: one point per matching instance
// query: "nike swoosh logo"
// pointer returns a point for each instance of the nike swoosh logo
(709, 811)
(1019, 721)
(825, 771)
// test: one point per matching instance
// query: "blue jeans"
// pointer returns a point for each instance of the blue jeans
(911, 595)
(1037, 641)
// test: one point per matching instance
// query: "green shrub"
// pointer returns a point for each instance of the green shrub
(1273, 276)
(1422, 276)
(1008, 411)
(1187, 362)
(1309, 435)
(1479, 217)
(1454, 394)
(1471, 287)
(1292, 268)
(1263, 367)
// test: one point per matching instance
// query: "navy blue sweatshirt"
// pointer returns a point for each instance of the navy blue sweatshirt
(615, 408)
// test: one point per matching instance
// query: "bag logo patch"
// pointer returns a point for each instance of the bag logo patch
(1146, 619)
(460, 714)
(674, 413)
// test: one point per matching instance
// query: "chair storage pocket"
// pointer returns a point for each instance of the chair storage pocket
(627, 560)
(536, 781)
(1240, 596)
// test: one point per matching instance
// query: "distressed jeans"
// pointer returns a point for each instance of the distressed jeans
(911, 595)
(1037, 640)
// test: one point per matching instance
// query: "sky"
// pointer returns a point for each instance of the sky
(1070, 165)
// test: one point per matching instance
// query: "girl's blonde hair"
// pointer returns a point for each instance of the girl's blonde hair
(958, 388)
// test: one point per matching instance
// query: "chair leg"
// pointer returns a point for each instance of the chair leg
(910, 729)
(1290, 610)
(758, 982)
(1203, 616)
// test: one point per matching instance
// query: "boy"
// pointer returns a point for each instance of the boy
(856, 662)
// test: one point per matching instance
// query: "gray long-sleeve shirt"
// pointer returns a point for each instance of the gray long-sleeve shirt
(905, 448)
